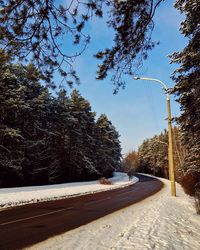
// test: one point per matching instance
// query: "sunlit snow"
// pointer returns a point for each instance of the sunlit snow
(158, 222)
(23, 195)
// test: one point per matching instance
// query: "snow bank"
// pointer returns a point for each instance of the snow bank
(23, 195)
(160, 222)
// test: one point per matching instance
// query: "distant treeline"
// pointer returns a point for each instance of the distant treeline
(48, 139)
(152, 156)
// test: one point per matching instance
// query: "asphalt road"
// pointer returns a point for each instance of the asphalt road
(26, 225)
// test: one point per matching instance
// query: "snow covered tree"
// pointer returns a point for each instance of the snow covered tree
(11, 139)
(187, 88)
(33, 125)
(153, 155)
(62, 125)
(23, 121)
(84, 146)
(108, 146)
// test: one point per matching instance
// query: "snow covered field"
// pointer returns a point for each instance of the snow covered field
(158, 222)
(23, 195)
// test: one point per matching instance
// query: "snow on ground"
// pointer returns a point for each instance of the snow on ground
(158, 222)
(10, 197)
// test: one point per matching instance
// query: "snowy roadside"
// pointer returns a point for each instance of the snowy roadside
(160, 222)
(10, 197)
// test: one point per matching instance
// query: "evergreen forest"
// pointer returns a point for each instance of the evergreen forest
(46, 138)
(152, 155)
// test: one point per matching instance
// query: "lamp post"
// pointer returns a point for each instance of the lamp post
(170, 142)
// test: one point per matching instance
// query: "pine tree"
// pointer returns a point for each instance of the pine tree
(109, 150)
(11, 138)
(23, 108)
(33, 126)
(34, 29)
(187, 88)
(62, 125)
(84, 148)
(153, 155)
(133, 24)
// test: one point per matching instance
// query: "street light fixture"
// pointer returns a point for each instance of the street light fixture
(170, 144)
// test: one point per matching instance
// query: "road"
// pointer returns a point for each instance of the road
(26, 225)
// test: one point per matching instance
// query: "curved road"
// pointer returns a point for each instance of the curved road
(26, 225)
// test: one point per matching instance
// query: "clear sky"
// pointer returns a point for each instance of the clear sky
(139, 111)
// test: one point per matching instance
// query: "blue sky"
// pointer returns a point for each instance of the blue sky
(139, 111)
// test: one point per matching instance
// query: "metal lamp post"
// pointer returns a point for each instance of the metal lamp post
(170, 143)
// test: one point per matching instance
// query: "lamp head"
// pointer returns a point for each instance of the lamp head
(136, 78)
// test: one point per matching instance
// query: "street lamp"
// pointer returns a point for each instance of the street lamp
(170, 144)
